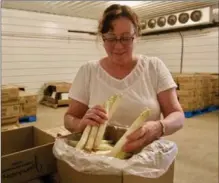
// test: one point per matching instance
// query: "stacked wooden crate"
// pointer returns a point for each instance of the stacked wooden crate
(56, 94)
(10, 106)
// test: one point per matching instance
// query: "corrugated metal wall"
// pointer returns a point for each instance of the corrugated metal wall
(36, 48)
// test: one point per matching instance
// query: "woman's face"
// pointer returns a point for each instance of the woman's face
(119, 42)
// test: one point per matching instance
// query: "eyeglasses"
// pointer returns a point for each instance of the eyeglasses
(125, 41)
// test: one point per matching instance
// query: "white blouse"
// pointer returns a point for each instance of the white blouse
(93, 86)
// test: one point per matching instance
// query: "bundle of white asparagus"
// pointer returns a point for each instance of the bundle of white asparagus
(92, 138)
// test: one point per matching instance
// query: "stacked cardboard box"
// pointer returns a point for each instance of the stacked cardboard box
(214, 88)
(56, 94)
(186, 91)
(28, 104)
(10, 105)
(197, 90)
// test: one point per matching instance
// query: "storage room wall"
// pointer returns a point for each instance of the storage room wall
(200, 49)
(36, 48)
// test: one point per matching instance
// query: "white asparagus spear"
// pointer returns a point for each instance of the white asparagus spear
(110, 107)
(117, 149)
(90, 142)
(84, 138)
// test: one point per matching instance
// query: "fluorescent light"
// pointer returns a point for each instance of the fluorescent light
(129, 3)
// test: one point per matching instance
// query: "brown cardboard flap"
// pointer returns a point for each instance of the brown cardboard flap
(27, 154)
(28, 164)
(69, 175)
(168, 177)
(26, 137)
(17, 140)
(40, 137)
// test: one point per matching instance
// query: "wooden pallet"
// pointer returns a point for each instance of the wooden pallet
(49, 104)
(55, 106)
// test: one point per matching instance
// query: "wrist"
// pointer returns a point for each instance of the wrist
(163, 127)
(79, 126)
(160, 129)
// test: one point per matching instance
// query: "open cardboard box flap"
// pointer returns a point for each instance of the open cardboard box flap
(26, 154)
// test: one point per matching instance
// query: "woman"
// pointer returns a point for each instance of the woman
(143, 81)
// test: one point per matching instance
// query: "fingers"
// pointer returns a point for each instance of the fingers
(100, 114)
(99, 108)
(99, 111)
(136, 134)
(91, 122)
(95, 118)
(134, 145)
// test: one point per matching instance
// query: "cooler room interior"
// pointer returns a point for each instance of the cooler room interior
(44, 43)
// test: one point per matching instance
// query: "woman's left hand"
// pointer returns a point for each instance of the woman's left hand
(145, 135)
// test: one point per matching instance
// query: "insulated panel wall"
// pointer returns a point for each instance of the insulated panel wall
(201, 50)
(165, 46)
(37, 48)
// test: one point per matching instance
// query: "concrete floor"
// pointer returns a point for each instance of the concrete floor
(197, 160)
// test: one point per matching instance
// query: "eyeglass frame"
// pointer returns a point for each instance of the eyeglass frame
(120, 40)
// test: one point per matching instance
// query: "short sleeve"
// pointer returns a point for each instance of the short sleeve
(164, 78)
(80, 86)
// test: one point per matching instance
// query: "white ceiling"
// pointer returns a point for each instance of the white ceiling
(93, 9)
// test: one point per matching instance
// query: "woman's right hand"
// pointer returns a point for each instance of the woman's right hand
(94, 116)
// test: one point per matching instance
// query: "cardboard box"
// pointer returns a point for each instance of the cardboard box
(54, 92)
(9, 120)
(59, 87)
(27, 99)
(51, 102)
(186, 93)
(189, 106)
(215, 100)
(28, 111)
(8, 111)
(186, 78)
(186, 86)
(28, 104)
(168, 177)
(9, 93)
(26, 154)
(69, 175)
